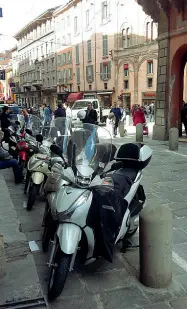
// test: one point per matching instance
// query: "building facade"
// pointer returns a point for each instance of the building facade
(172, 36)
(94, 29)
(37, 61)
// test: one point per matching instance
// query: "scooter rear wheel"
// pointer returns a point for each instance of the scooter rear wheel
(32, 196)
(58, 274)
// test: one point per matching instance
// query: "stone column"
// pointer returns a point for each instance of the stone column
(160, 130)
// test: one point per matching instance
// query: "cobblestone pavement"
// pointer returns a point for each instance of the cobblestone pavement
(109, 286)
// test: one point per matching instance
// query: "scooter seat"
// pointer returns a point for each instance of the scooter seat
(123, 180)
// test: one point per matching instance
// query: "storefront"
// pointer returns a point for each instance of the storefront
(148, 98)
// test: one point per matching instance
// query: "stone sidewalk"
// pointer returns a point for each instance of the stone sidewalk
(108, 286)
(21, 284)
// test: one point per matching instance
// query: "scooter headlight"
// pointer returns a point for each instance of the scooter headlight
(66, 215)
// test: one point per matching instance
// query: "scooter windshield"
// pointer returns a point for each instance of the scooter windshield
(61, 131)
(89, 150)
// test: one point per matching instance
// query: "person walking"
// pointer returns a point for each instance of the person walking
(68, 110)
(138, 116)
(6, 161)
(184, 116)
(26, 118)
(118, 115)
(151, 112)
(91, 115)
(60, 111)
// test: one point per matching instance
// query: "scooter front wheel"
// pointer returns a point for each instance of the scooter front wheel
(58, 274)
(32, 196)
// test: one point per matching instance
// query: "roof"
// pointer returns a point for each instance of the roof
(61, 9)
(37, 21)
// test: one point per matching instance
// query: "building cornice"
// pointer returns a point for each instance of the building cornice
(65, 7)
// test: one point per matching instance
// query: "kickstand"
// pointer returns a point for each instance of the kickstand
(127, 243)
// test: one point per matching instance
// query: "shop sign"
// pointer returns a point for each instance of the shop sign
(148, 94)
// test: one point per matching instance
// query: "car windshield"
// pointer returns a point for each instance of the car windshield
(80, 104)
(90, 150)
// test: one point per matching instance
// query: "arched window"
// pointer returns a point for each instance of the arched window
(126, 37)
(149, 31)
(152, 32)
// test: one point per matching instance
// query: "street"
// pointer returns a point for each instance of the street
(103, 285)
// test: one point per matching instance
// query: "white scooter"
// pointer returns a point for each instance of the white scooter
(75, 213)
(39, 166)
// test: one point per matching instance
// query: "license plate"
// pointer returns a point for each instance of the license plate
(13, 148)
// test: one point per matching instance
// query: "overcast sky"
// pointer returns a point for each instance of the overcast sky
(16, 14)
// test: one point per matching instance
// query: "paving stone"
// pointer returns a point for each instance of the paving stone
(128, 298)
(158, 306)
(80, 302)
(179, 236)
(180, 303)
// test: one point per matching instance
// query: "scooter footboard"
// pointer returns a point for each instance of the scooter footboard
(69, 236)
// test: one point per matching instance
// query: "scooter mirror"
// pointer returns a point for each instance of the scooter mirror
(39, 138)
(57, 150)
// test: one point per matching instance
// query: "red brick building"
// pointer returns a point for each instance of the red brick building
(171, 16)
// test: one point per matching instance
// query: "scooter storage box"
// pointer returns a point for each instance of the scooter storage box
(135, 156)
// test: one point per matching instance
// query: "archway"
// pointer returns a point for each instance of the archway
(176, 87)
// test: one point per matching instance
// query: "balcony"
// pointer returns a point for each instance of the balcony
(37, 83)
(63, 81)
(27, 84)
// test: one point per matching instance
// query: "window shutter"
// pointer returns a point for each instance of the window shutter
(109, 70)
(105, 45)
(87, 77)
(92, 73)
(89, 51)
(70, 57)
(101, 71)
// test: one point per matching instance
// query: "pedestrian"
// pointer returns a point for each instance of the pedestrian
(118, 115)
(138, 116)
(184, 116)
(26, 118)
(151, 112)
(91, 115)
(41, 110)
(6, 161)
(60, 111)
(47, 121)
(5, 123)
(68, 110)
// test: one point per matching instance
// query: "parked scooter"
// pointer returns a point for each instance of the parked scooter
(39, 166)
(86, 228)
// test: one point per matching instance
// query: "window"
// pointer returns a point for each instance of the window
(47, 66)
(69, 39)
(149, 31)
(69, 57)
(78, 88)
(75, 24)
(105, 86)
(90, 87)
(37, 53)
(48, 82)
(77, 54)
(70, 73)
(89, 47)
(105, 45)
(51, 46)
(59, 60)
(126, 37)
(63, 40)
(64, 58)
(105, 70)
(126, 84)
(150, 67)
(46, 48)
(126, 70)
(104, 10)
(52, 63)
(68, 21)
(149, 82)
(78, 75)
(63, 24)
(87, 19)
(89, 73)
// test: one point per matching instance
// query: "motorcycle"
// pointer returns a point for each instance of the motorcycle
(39, 166)
(82, 213)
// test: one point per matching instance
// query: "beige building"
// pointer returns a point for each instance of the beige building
(91, 28)
(37, 61)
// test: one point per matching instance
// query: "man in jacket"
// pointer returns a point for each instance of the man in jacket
(5, 123)
(184, 116)
(6, 161)
(91, 115)
(60, 112)
(118, 115)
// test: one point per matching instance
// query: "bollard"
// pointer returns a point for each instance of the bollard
(155, 239)
(121, 129)
(2, 258)
(139, 133)
(173, 139)
(127, 121)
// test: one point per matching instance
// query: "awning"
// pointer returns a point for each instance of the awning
(103, 93)
(74, 96)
